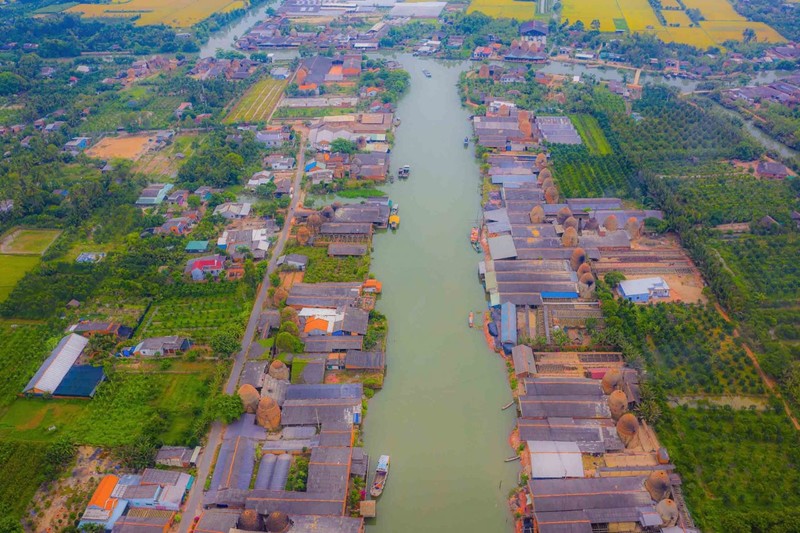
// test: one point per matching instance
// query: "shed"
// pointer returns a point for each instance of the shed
(502, 247)
(196, 247)
(524, 363)
(81, 381)
(343, 249)
(370, 361)
(508, 323)
(57, 365)
(642, 290)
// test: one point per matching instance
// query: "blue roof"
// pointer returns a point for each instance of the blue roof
(553, 295)
(81, 381)
(508, 323)
(324, 392)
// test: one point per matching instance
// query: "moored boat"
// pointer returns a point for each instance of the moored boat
(381, 473)
(394, 221)
(466, 142)
(404, 171)
(427, 73)
(471, 319)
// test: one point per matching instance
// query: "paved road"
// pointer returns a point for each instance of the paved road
(195, 499)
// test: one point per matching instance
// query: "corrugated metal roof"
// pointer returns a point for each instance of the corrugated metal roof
(555, 459)
(56, 366)
(508, 323)
(502, 247)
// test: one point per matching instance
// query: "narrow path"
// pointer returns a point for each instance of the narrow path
(768, 381)
(195, 498)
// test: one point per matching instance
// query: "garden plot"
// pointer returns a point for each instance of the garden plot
(28, 241)
(512, 9)
(176, 13)
(258, 102)
(196, 318)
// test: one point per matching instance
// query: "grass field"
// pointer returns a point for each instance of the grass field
(258, 102)
(593, 137)
(12, 269)
(23, 464)
(177, 13)
(505, 9)
(28, 241)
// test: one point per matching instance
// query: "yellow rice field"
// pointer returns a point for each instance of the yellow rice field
(722, 22)
(670, 3)
(722, 31)
(504, 8)
(714, 9)
(639, 15)
(677, 17)
(176, 13)
(588, 10)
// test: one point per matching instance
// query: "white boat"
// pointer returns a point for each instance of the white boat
(381, 473)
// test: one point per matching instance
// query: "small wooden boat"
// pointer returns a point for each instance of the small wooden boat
(404, 171)
(477, 247)
(427, 73)
(381, 473)
(395, 208)
(471, 319)
(394, 221)
(474, 235)
(466, 142)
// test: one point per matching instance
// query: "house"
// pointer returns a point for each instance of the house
(6, 206)
(771, 170)
(371, 166)
(201, 267)
(91, 328)
(359, 361)
(273, 138)
(204, 192)
(643, 290)
(296, 261)
(90, 257)
(144, 520)
(182, 108)
(179, 197)
(76, 145)
(155, 346)
(52, 372)
(177, 456)
(232, 211)
(534, 31)
(280, 73)
(104, 509)
(154, 194)
(258, 179)
(279, 162)
(238, 242)
(176, 226)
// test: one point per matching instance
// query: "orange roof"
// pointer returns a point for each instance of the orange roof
(315, 323)
(373, 284)
(308, 87)
(370, 89)
(335, 70)
(102, 496)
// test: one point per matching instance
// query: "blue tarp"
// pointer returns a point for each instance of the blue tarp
(508, 323)
(310, 165)
(81, 381)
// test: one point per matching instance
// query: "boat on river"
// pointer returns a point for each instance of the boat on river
(471, 319)
(404, 171)
(474, 235)
(394, 221)
(395, 209)
(427, 73)
(466, 142)
(381, 473)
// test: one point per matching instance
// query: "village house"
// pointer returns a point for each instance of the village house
(202, 267)
(772, 170)
(293, 261)
(643, 290)
(154, 194)
(259, 178)
(156, 346)
(182, 108)
(233, 210)
(60, 374)
(177, 456)
(91, 328)
(176, 226)
(279, 162)
(77, 145)
(237, 243)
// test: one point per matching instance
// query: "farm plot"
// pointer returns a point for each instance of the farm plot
(639, 15)
(23, 346)
(714, 9)
(165, 163)
(127, 147)
(177, 13)
(593, 137)
(676, 17)
(196, 317)
(722, 31)
(685, 35)
(12, 269)
(512, 9)
(22, 472)
(258, 102)
(28, 241)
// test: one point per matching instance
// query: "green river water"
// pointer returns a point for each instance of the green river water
(438, 415)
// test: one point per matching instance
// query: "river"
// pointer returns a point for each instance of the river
(438, 415)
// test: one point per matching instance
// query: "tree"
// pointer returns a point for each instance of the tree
(139, 454)
(595, 25)
(225, 340)
(280, 296)
(303, 235)
(58, 455)
(227, 408)
(748, 34)
(344, 146)
(289, 314)
(11, 83)
(613, 278)
(286, 342)
(9, 524)
(290, 327)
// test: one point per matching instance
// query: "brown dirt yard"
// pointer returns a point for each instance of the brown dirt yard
(125, 147)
